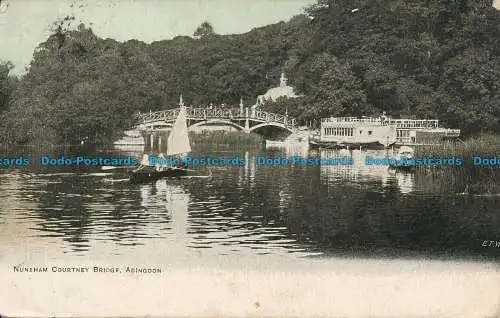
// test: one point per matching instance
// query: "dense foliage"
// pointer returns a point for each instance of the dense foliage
(424, 59)
(7, 85)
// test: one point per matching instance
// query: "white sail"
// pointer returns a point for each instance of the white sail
(178, 140)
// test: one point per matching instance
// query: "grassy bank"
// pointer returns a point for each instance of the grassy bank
(469, 178)
(485, 145)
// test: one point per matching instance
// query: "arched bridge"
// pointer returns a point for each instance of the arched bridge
(227, 119)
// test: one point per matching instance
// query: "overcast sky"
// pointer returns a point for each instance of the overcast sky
(27, 22)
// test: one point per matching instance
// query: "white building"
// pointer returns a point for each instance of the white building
(383, 130)
(276, 92)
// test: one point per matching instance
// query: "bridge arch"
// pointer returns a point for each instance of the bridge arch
(283, 127)
(157, 124)
(216, 122)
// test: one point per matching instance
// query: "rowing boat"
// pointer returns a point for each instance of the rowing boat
(177, 144)
(146, 175)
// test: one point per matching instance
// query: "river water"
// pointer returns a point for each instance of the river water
(349, 220)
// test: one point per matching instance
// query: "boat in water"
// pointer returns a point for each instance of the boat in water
(151, 175)
(401, 159)
(177, 144)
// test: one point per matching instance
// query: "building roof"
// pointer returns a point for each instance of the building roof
(276, 92)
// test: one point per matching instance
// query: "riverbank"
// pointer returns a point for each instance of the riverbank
(485, 145)
(469, 178)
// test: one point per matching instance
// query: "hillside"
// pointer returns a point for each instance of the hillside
(430, 59)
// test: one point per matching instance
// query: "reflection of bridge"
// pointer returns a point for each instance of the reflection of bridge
(227, 119)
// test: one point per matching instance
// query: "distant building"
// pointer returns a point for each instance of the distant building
(276, 92)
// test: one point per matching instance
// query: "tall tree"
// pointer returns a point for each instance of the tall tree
(6, 84)
(204, 30)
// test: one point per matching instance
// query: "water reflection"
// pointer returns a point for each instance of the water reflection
(290, 211)
(406, 181)
(243, 219)
(359, 173)
(292, 149)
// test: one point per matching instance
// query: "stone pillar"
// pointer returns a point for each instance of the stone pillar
(241, 106)
(247, 121)
(144, 138)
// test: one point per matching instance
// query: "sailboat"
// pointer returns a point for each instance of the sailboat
(177, 144)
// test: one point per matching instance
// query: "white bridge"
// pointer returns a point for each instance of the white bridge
(218, 118)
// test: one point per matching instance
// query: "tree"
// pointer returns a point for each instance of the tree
(6, 84)
(204, 30)
(428, 59)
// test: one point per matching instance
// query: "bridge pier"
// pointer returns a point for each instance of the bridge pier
(153, 139)
(247, 121)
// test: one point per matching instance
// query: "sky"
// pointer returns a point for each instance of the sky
(26, 23)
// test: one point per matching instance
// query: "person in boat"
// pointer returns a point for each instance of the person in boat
(164, 167)
(179, 159)
(182, 164)
(144, 164)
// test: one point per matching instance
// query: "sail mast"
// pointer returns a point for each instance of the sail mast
(178, 140)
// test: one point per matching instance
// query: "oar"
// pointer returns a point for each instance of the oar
(178, 168)
(116, 167)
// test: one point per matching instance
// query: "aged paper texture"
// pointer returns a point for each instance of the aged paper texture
(264, 158)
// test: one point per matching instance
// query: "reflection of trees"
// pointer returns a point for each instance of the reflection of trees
(262, 207)
(79, 208)
(244, 207)
(368, 222)
(62, 207)
(344, 218)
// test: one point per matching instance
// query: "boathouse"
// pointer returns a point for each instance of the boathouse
(352, 130)
(383, 131)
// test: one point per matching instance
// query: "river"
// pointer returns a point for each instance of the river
(348, 231)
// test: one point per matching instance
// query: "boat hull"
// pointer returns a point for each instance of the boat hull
(404, 168)
(151, 176)
(334, 145)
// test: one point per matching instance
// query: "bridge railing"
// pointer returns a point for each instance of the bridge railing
(272, 117)
(165, 115)
(216, 113)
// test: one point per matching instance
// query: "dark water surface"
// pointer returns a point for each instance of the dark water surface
(285, 211)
